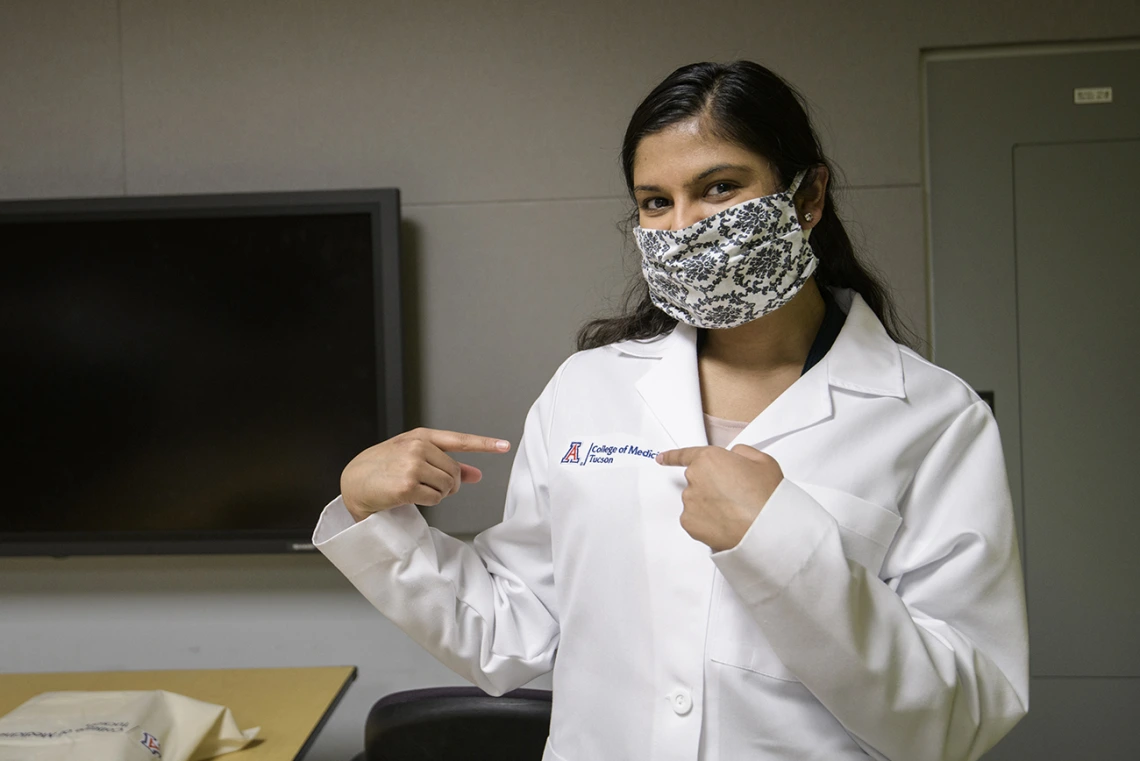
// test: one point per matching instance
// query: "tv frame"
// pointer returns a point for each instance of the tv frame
(383, 207)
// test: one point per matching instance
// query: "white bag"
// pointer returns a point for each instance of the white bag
(119, 726)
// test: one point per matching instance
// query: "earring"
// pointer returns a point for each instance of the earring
(807, 216)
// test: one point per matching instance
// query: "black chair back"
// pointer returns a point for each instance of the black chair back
(458, 724)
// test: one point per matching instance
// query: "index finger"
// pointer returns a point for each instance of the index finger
(454, 441)
(683, 457)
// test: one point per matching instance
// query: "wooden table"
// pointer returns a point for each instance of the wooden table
(289, 704)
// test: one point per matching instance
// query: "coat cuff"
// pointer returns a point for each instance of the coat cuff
(380, 538)
(777, 546)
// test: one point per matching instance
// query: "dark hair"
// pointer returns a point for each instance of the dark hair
(746, 104)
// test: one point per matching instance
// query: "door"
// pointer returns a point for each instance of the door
(1033, 181)
(1078, 327)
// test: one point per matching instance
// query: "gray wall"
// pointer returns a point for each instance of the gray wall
(500, 122)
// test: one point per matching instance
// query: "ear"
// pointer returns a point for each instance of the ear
(810, 196)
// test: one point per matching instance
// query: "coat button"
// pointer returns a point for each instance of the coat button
(681, 701)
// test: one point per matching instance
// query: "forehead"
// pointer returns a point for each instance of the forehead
(681, 151)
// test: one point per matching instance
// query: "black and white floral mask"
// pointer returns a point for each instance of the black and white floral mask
(730, 268)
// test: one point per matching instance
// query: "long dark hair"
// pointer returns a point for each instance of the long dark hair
(748, 105)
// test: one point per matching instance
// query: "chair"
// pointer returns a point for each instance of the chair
(458, 724)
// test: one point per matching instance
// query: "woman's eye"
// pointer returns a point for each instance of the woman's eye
(654, 204)
(721, 188)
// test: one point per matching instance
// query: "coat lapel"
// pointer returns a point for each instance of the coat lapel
(863, 360)
(805, 403)
(671, 389)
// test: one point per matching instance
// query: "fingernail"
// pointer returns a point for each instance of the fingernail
(502, 445)
(658, 458)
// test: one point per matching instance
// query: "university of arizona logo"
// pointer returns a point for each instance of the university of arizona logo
(151, 743)
(571, 455)
(616, 454)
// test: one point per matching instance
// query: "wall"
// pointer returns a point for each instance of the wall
(500, 122)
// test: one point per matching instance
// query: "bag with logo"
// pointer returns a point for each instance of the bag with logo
(119, 726)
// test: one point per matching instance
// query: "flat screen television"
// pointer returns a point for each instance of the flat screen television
(190, 374)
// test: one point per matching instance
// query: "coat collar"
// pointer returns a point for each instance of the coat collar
(863, 359)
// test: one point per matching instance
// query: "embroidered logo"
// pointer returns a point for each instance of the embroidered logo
(607, 454)
(151, 743)
(571, 455)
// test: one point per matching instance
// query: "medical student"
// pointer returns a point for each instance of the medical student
(745, 521)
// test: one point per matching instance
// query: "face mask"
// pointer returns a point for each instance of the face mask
(731, 268)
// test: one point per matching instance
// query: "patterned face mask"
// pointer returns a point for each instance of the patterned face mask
(731, 268)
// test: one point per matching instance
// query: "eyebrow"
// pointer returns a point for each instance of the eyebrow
(711, 170)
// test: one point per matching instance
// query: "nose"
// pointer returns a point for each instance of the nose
(685, 215)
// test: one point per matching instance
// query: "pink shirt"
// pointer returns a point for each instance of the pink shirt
(721, 432)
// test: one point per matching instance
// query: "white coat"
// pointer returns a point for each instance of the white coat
(874, 608)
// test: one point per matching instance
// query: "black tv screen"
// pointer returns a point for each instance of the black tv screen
(191, 374)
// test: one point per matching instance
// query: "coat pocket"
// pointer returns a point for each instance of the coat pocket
(736, 638)
(865, 528)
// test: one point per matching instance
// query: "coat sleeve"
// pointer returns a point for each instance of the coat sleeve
(486, 611)
(931, 664)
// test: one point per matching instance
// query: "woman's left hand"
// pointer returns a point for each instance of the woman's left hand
(726, 491)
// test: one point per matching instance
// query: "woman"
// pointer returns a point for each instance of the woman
(749, 522)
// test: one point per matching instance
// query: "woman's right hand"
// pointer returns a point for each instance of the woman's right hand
(411, 468)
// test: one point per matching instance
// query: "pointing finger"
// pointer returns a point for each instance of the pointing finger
(682, 457)
(460, 473)
(453, 441)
